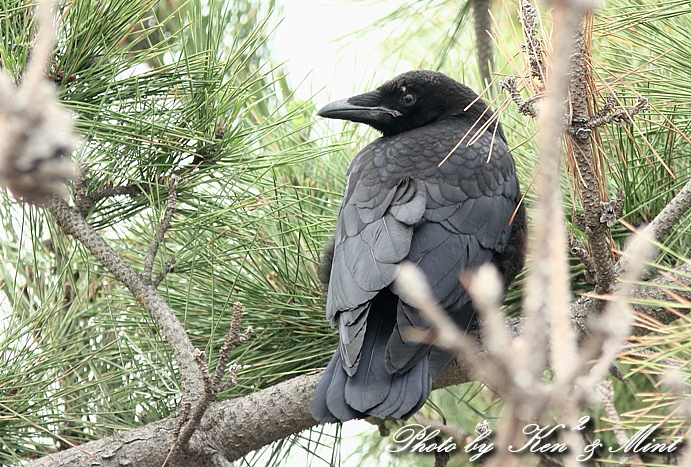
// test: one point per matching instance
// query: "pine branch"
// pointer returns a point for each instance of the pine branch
(579, 126)
(73, 223)
(194, 415)
(163, 227)
(660, 226)
(85, 201)
(588, 181)
(235, 427)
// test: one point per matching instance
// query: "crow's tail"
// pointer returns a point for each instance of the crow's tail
(371, 390)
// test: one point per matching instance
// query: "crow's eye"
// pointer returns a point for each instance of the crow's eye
(408, 99)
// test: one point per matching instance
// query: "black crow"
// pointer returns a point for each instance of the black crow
(400, 204)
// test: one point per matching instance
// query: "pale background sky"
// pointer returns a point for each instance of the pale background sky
(312, 41)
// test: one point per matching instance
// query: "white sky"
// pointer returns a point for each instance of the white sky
(312, 41)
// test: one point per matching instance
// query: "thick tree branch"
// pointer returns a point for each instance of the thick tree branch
(670, 214)
(230, 429)
(238, 426)
(663, 288)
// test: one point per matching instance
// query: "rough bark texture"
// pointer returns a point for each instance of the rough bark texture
(233, 428)
(228, 431)
(657, 290)
(483, 43)
(670, 214)
(589, 185)
(73, 223)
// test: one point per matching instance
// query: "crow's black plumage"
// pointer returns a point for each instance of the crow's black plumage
(399, 204)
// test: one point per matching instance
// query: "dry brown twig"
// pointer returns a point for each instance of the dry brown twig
(514, 368)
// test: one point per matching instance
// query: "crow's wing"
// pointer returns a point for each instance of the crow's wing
(470, 200)
(399, 205)
(373, 234)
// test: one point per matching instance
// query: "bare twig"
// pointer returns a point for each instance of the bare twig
(411, 285)
(510, 85)
(163, 227)
(606, 393)
(606, 109)
(192, 416)
(232, 339)
(43, 48)
(168, 267)
(582, 254)
(84, 201)
(486, 290)
(618, 117)
(547, 287)
(213, 386)
(582, 129)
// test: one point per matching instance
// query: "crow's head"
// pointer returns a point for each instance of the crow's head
(408, 101)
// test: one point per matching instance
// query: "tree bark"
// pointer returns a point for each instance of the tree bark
(236, 427)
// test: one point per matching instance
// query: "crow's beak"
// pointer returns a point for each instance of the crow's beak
(363, 108)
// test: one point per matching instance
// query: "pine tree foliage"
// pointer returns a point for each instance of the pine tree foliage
(162, 88)
(187, 88)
